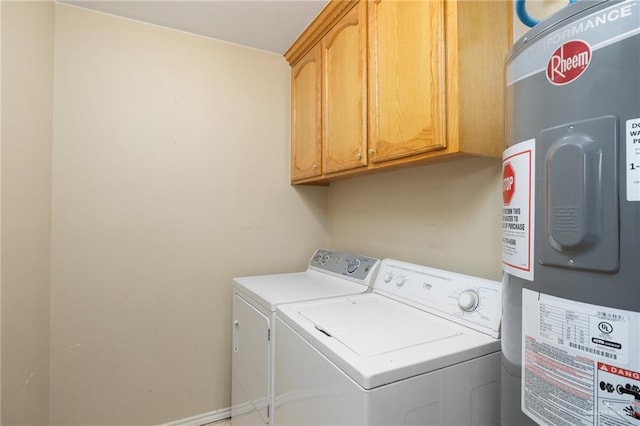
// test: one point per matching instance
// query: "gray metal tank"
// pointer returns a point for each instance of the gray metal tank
(571, 243)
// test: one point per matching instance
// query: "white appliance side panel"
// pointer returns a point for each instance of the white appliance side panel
(466, 394)
(250, 364)
(310, 389)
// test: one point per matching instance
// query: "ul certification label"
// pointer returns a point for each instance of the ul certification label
(633, 160)
(579, 362)
(518, 194)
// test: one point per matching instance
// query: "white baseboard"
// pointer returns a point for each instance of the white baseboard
(202, 419)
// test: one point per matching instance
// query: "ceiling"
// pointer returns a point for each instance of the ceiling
(271, 25)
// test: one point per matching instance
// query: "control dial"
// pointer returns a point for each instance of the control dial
(468, 300)
(353, 266)
(400, 280)
(388, 276)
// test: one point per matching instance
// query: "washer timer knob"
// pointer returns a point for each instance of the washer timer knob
(353, 266)
(468, 300)
(388, 276)
(400, 280)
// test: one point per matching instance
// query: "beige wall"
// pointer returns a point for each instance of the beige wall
(445, 215)
(170, 176)
(27, 94)
(0, 213)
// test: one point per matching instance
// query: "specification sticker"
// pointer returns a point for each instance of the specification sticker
(579, 362)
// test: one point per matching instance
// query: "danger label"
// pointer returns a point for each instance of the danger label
(622, 372)
(618, 395)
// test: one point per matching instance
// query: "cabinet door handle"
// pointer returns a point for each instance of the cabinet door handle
(358, 156)
(371, 152)
(236, 332)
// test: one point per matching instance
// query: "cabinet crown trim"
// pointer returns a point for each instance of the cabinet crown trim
(332, 12)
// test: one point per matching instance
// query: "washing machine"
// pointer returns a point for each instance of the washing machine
(422, 348)
(329, 273)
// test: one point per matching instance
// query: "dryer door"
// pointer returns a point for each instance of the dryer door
(250, 364)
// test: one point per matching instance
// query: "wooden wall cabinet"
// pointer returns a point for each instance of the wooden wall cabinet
(407, 78)
(305, 117)
(344, 92)
(400, 83)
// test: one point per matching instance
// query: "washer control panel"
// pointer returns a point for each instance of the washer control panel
(354, 266)
(470, 301)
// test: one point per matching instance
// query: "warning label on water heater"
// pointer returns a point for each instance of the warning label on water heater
(633, 159)
(518, 194)
(580, 363)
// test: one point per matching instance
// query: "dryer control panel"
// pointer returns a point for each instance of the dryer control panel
(471, 301)
(353, 266)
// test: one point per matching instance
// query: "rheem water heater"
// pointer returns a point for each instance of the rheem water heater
(571, 219)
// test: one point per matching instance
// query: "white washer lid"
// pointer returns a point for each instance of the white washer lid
(387, 350)
(376, 332)
(272, 290)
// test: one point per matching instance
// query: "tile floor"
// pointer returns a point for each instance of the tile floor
(220, 423)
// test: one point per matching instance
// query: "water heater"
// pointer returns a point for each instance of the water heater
(571, 219)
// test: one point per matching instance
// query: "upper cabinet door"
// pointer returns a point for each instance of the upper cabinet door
(344, 92)
(406, 78)
(306, 117)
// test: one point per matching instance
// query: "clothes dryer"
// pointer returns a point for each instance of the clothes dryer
(421, 348)
(329, 273)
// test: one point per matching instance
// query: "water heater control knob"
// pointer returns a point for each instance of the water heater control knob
(468, 300)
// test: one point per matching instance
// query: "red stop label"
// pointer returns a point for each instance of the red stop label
(508, 183)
